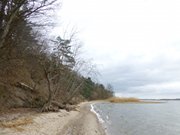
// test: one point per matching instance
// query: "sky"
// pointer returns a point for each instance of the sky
(134, 43)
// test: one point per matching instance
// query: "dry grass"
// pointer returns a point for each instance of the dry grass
(123, 100)
(17, 123)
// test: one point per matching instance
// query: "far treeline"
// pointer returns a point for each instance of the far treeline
(36, 71)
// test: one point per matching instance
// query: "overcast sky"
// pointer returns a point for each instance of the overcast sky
(135, 43)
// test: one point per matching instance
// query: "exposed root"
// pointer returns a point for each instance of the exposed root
(55, 106)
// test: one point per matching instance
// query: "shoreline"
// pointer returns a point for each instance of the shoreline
(86, 123)
(81, 122)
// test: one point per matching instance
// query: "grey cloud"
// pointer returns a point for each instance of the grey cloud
(133, 76)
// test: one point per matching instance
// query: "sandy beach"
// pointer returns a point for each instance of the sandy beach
(85, 123)
(81, 122)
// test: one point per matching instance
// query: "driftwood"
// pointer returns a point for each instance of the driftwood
(50, 108)
(60, 105)
(24, 86)
(55, 106)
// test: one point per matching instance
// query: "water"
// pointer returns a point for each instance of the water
(140, 119)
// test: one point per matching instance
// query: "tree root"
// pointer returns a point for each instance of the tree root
(55, 107)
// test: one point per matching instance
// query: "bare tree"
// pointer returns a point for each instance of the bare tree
(58, 62)
(109, 87)
(12, 12)
(63, 73)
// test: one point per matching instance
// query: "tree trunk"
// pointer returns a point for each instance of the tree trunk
(47, 106)
(3, 5)
(6, 29)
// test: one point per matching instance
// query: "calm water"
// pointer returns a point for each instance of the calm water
(140, 119)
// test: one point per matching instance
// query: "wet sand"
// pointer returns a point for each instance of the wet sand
(85, 123)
